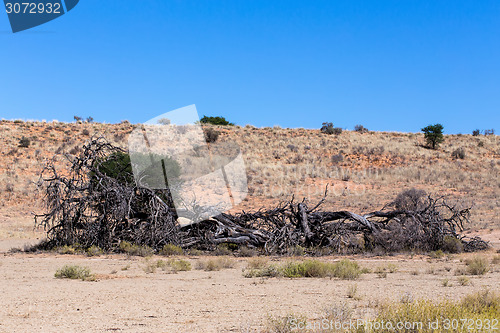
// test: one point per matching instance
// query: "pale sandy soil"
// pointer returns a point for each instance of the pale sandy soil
(199, 301)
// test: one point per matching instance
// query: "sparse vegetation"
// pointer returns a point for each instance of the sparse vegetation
(446, 283)
(171, 250)
(415, 315)
(136, 250)
(170, 266)
(463, 281)
(388, 268)
(245, 251)
(477, 265)
(344, 269)
(489, 131)
(257, 263)
(94, 251)
(479, 306)
(438, 254)
(74, 272)
(215, 264)
(352, 292)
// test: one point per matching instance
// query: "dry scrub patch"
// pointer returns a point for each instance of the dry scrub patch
(126, 298)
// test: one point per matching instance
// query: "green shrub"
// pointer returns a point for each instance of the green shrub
(347, 270)
(215, 264)
(172, 266)
(94, 251)
(136, 250)
(215, 121)
(433, 135)
(74, 272)
(344, 269)
(179, 265)
(118, 166)
(477, 266)
(171, 250)
(328, 128)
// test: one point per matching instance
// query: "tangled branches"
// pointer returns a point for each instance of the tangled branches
(98, 203)
(413, 221)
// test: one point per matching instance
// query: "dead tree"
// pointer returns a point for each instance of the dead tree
(430, 224)
(87, 206)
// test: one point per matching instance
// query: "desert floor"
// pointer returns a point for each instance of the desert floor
(127, 299)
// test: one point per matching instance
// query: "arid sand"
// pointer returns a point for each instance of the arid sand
(199, 301)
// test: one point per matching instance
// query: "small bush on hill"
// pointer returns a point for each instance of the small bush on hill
(24, 142)
(215, 121)
(328, 128)
(458, 153)
(164, 121)
(211, 135)
(360, 129)
(489, 132)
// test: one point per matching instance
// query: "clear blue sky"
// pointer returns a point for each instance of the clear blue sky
(388, 65)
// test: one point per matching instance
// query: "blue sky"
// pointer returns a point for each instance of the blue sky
(388, 65)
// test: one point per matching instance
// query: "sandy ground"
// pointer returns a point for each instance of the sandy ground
(199, 301)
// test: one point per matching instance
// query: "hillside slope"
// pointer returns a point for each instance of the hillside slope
(364, 171)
